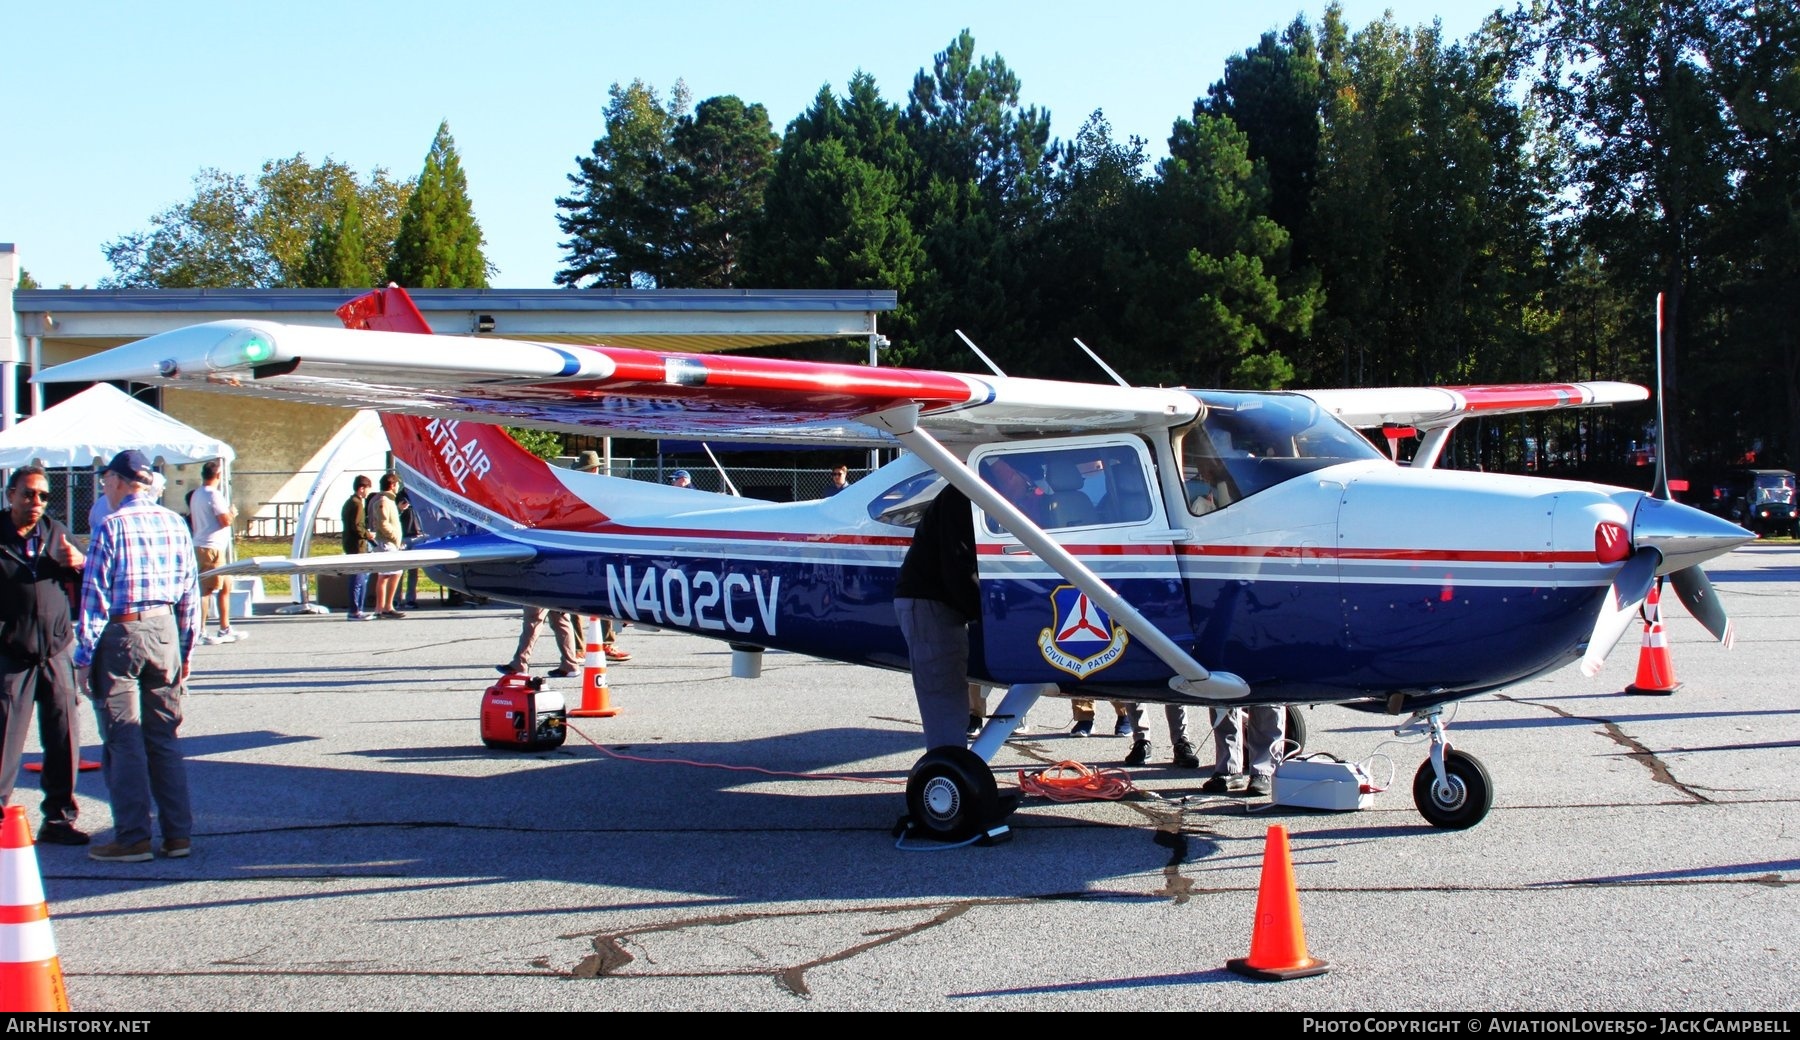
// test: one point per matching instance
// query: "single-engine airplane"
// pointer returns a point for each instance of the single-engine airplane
(1149, 544)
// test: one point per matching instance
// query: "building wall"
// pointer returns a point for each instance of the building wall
(273, 441)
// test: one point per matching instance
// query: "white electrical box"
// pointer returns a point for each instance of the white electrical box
(1323, 784)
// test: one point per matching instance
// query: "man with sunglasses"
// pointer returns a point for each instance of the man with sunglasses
(38, 568)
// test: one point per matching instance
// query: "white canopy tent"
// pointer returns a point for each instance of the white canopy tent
(97, 424)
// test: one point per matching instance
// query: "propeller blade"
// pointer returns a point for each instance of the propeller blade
(1629, 589)
(1697, 595)
(1661, 489)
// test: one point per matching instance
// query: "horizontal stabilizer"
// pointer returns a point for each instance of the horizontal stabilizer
(492, 551)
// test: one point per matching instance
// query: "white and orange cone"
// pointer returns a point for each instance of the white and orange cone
(31, 976)
(1656, 670)
(596, 700)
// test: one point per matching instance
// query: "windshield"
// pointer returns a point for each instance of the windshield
(1773, 487)
(1248, 442)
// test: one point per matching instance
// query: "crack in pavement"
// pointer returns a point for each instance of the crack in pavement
(1659, 770)
(612, 958)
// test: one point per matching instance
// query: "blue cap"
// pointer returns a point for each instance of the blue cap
(131, 465)
(680, 474)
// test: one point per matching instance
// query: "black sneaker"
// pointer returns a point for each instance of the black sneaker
(61, 834)
(1260, 786)
(1185, 757)
(974, 726)
(1139, 754)
(1084, 728)
(1222, 783)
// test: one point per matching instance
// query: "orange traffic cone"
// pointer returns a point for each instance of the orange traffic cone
(595, 697)
(31, 976)
(1278, 943)
(1656, 671)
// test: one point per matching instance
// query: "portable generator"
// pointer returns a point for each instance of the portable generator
(518, 714)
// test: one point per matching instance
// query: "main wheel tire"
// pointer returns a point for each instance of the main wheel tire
(951, 795)
(1465, 803)
(1295, 745)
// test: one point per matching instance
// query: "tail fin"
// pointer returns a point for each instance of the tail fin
(479, 463)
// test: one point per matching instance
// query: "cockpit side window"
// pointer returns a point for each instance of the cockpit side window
(1088, 485)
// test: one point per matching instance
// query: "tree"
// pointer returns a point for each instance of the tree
(978, 194)
(1274, 93)
(337, 257)
(1089, 260)
(207, 241)
(26, 281)
(439, 244)
(1217, 299)
(1637, 103)
(835, 211)
(1429, 214)
(620, 218)
(233, 233)
(1757, 59)
(295, 199)
(723, 155)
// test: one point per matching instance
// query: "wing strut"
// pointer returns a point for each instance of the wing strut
(1431, 446)
(1191, 677)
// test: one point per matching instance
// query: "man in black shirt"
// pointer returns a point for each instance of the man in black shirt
(935, 599)
(38, 564)
(357, 539)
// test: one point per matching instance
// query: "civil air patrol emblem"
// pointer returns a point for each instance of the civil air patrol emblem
(1084, 639)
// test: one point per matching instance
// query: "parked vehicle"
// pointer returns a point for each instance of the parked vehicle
(1759, 499)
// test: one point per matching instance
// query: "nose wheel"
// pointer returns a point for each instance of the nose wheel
(1461, 799)
(1295, 745)
(1451, 789)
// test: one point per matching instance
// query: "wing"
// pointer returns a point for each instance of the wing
(604, 390)
(1432, 406)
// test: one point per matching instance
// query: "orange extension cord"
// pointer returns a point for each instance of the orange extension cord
(1073, 782)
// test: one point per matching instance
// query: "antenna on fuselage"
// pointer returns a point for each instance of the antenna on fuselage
(729, 486)
(1104, 367)
(989, 362)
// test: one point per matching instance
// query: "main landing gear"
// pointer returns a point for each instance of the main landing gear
(1451, 789)
(951, 796)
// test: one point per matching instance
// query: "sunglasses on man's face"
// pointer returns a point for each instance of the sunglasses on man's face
(35, 496)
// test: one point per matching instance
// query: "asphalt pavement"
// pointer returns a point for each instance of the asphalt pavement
(726, 844)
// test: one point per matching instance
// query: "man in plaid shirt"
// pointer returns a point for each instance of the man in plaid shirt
(140, 599)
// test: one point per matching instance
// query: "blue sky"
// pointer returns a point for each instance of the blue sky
(113, 107)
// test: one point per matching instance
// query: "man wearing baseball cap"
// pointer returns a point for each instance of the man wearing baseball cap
(680, 478)
(140, 601)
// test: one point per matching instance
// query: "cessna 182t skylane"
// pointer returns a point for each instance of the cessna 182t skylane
(1135, 543)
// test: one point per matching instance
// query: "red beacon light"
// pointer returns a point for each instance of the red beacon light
(1612, 543)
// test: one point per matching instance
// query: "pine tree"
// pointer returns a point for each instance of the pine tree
(439, 246)
(336, 256)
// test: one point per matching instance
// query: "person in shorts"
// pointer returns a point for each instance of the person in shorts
(383, 522)
(210, 514)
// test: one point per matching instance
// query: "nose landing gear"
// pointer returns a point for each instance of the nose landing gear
(1451, 789)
